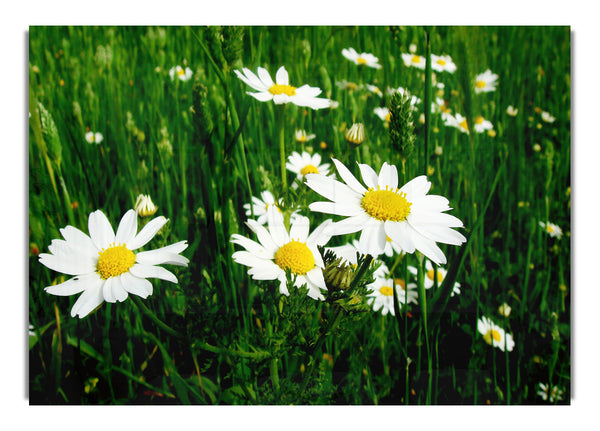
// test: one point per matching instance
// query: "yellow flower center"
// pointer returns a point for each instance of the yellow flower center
(296, 256)
(400, 282)
(386, 291)
(441, 62)
(115, 260)
(479, 120)
(480, 84)
(361, 60)
(180, 72)
(386, 204)
(388, 117)
(416, 59)
(549, 229)
(463, 124)
(282, 89)
(431, 274)
(492, 335)
(309, 169)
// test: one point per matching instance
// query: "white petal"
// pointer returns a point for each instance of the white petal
(282, 77)
(299, 229)
(149, 271)
(388, 176)
(399, 233)
(330, 188)
(79, 240)
(321, 235)
(267, 270)
(263, 96)
(118, 291)
(127, 228)
(107, 291)
(101, 232)
(416, 188)
(74, 285)
(372, 239)
(89, 299)
(369, 175)
(136, 286)
(348, 178)
(161, 256)
(263, 235)
(276, 227)
(147, 233)
(349, 225)
(265, 77)
(71, 265)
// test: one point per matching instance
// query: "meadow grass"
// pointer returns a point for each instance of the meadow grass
(202, 148)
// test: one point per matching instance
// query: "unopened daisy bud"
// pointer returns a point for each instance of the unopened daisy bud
(356, 134)
(144, 206)
(438, 151)
(338, 274)
(401, 128)
(512, 111)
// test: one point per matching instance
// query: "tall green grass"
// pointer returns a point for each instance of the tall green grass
(203, 147)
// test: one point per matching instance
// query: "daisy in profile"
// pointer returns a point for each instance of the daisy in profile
(363, 59)
(261, 206)
(457, 121)
(279, 251)
(512, 111)
(374, 89)
(178, 72)
(302, 137)
(303, 164)
(430, 274)
(414, 60)
(552, 229)
(495, 335)
(414, 220)
(547, 117)
(442, 63)
(93, 137)
(280, 91)
(486, 82)
(104, 263)
(481, 124)
(383, 113)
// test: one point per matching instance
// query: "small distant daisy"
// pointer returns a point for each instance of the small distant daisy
(547, 117)
(279, 251)
(347, 85)
(512, 111)
(410, 217)
(302, 164)
(481, 124)
(374, 89)
(104, 264)
(457, 121)
(93, 137)
(261, 206)
(495, 335)
(552, 229)
(144, 206)
(414, 60)
(383, 113)
(550, 394)
(302, 137)
(430, 273)
(381, 295)
(406, 294)
(442, 63)
(178, 72)
(504, 309)
(363, 59)
(486, 82)
(281, 91)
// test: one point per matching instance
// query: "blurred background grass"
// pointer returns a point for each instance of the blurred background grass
(200, 148)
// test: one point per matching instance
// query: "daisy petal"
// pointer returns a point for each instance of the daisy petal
(90, 299)
(101, 232)
(136, 286)
(348, 178)
(73, 286)
(147, 233)
(149, 271)
(127, 228)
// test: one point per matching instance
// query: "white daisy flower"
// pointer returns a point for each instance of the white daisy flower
(495, 335)
(410, 217)
(261, 206)
(303, 164)
(430, 273)
(550, 394)
(552, 229)
(180, 73)
(406, 294)
(457, 121)
(104, 264)
(281, 91)
(547, 117)
(481, 124)
(414, 60)
(374, 89)
(512, 111)
(383, 113)
(381, 295)
(442, 63)
(486, 82)
(279, 250)
(391, 247)
(303, 137)
(93, 137)
(144, 206)
(363, 59)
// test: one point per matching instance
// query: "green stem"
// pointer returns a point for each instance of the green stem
(427, 99)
